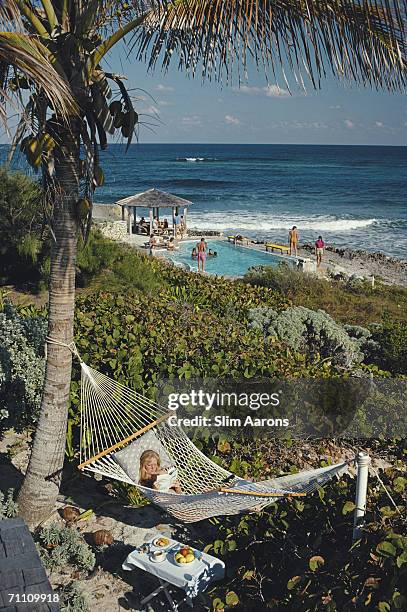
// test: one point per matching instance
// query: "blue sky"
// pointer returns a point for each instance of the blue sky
(179, 109)
(182, 109)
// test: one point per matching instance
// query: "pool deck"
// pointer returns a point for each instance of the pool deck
(139, 242)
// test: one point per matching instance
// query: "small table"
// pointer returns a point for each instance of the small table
(192, 578)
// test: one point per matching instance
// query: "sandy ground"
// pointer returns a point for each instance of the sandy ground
(107, 587)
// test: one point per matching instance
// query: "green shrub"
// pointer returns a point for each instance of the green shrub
(72, 599)
(8, 507)
(24, 239)
(114, 267)
(22, 367)
(391, 339)
(348, 302)
(298, 554)
(142, 338)
(314, 333)
(60, 546)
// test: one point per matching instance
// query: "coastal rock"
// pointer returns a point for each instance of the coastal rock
(203, 232)
(106, 212)
(115, 230)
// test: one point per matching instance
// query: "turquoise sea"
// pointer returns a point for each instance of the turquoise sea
(354, 196)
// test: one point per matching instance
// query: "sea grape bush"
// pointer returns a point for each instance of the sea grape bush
(22, 366)
(314, 333)
(298, 554)
(141, 338)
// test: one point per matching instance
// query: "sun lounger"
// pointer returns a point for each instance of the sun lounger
(241, 239)
(270, 246)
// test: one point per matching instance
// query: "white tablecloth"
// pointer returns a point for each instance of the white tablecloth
(193, 578)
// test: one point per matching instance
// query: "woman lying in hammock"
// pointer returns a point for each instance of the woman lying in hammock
(153, 476)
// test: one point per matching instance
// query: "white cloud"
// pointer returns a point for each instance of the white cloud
(150, 110)
(299, 125)
(245, 89)
(189, 121)
(163, 88)
(336, 107)
(379, 124)
(164, 103)
(271, 91)
(274, 91)
(349, 124)
(231, 120)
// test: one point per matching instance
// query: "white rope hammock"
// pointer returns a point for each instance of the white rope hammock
(115, 418)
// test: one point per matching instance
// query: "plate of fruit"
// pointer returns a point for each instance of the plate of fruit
(161, 542)
(184, 556)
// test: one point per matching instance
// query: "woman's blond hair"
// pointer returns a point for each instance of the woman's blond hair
(147, 454)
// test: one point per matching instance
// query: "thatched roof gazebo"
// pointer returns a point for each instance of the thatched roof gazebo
(154, 200)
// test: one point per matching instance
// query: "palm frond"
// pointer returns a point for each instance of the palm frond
(30, 57)
(10, 15)
(363, 41)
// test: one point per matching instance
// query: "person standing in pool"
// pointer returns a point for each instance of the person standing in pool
(293, 238)
(201, 248)
(319, 250)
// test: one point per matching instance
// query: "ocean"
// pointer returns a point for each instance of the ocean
(354, 196)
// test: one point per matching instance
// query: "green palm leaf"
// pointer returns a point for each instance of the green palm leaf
(32, 58)
(361, 40)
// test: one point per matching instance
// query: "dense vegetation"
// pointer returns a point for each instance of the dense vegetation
(352, 302)
(24, 238)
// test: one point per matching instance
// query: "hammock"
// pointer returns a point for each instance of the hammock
(117, 424)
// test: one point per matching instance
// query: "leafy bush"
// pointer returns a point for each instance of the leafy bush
(391, 340)
(62, 545)
(223, 297)
(298, 555)
(72, 599)
(314, 333)
(141, 338)
(24, 242)
(347, 302)
(8, 507)
(22, 366)
(114, 266)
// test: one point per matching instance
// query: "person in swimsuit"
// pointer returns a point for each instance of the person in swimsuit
(201, 247)
(293, 238)
(319, 250)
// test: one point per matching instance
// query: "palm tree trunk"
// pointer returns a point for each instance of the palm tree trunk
(40, 488)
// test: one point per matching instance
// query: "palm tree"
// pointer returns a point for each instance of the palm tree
(51, 54)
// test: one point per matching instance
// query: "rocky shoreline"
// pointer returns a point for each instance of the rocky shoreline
(366, 264)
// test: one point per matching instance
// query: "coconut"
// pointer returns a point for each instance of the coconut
(70, 513)
(102, 537)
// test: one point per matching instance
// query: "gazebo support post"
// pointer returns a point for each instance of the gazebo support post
(128, 218)
(151, 221)
(185, 219)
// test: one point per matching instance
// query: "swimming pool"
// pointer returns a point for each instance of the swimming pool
(232, 260)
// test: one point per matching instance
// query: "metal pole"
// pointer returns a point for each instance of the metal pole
(362, 463)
